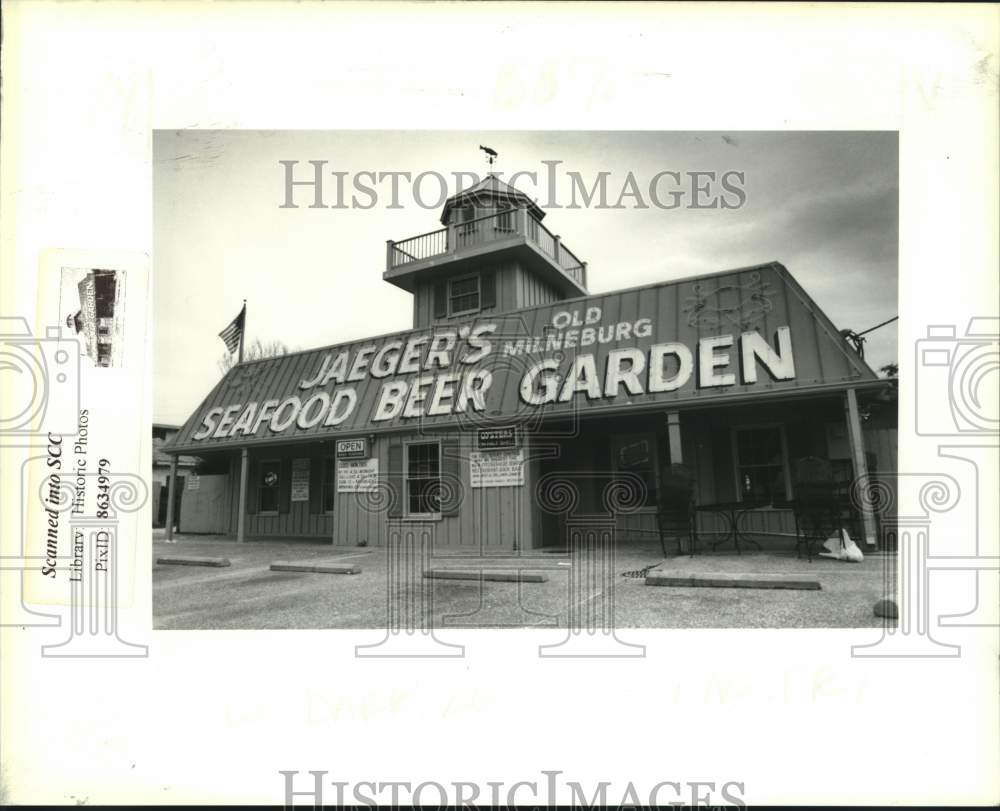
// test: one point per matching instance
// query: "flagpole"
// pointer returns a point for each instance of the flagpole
(243, 331)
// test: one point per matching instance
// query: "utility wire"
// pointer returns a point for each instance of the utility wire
(872, 329)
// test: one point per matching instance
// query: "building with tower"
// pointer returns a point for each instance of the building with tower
(515, 387)
(99, 318)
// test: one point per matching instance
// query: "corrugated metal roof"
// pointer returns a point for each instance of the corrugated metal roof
(762, 298)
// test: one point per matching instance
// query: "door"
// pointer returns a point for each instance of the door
(634, 463)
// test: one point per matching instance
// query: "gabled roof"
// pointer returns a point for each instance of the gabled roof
(488, 189)
(764, 299)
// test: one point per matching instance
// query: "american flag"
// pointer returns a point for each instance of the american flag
(233, 334)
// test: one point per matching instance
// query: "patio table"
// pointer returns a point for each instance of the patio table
(732, 511)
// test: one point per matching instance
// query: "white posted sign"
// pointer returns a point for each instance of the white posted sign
(300, 480)
(496, 468)
(357, 476)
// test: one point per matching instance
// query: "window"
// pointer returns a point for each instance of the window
(504, 220)
(466, 221)
(267, 487)
(760, 464)
(463, 295)
(636, 454)
(329, 483)
(422, 472)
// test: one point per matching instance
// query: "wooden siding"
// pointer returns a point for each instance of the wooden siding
(531, 290)
(492, 518)
(423, 294)
(517, 287)
(298, 522)
(204, 510)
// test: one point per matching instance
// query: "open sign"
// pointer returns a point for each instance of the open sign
(352, 448)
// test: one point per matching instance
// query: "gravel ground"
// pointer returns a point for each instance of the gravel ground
(247, 595)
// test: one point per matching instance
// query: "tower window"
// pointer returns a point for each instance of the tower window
(463, 295)
(504, 220)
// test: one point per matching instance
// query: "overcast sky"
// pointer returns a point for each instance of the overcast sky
(823, 204)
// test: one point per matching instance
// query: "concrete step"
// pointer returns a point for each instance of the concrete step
(497, 575)
(316, 568)
(186, 560)
(731, 581)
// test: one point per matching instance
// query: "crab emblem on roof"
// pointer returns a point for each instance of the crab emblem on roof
(739, 305)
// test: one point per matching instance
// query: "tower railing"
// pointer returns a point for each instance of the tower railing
(417, 248)
(501, 225)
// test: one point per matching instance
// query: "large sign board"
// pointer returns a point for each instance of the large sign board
(692, 340)
(357, 476)
(300, 479)
(496, 468)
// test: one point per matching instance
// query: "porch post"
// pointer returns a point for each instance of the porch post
(859, 463)
(242, 513)
(674, 437)
(171, 486)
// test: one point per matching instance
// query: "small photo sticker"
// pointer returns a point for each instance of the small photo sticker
(92, 306)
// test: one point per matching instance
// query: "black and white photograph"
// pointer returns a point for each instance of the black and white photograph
(664, 360)
(497, 405)
(92, 301)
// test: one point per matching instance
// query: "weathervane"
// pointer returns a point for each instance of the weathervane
(491, 154)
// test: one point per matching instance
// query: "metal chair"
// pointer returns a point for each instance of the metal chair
(675, 514)
(816, 505)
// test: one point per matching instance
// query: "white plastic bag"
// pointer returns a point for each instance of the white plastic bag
(841, 547)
